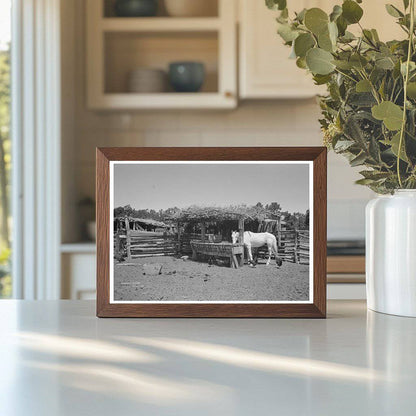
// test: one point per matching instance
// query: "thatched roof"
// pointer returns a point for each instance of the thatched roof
(147, 221)
(234, 212)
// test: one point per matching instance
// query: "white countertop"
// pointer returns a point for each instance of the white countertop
(57, 359)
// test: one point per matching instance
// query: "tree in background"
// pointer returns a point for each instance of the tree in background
(4, 143)
(5, 165)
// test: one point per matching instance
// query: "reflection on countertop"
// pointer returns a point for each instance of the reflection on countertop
(63, 360)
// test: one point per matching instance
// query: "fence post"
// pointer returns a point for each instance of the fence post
(118, 253)
(203, 232)
(241, 238)
(296, 247)
(128, 244)
(279, 231)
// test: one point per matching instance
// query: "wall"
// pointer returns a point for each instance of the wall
(265, 123)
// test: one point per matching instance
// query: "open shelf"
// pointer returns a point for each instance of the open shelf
(127, 51)
(116, 46)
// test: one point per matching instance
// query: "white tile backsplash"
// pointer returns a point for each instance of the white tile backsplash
(258, 123)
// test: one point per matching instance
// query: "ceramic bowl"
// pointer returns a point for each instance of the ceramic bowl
(186, 76)
(135, 8)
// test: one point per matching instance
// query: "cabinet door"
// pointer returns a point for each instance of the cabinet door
(265, 68)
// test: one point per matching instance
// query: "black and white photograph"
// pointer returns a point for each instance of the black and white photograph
(211, 232)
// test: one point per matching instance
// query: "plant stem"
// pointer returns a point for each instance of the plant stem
(346, 75)
(373, 89)
(406, 80)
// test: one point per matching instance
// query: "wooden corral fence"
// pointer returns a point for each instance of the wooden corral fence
(184, 242)
(292, 246)
(145, 244)
(303, 246)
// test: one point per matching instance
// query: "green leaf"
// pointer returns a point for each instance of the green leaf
(284, 14)
(354, 131)
(316, 20)
(361, 99)
(385, 63)
(368, 36)
(333, 32)
(375, 35)
(391, 114)
(303, 43)
(327, 40)
(324, 42)
(374, 175)
(319, 61)
(412, 67)
(358, 61)
(347, 37)
(406, 4)
(336, 12)
(276, 4)
(393, 11)
(351, 11)
(286, 32)
(411, 90)
(321, 79)
(363, 86)
(343, 65)
(364, 181)
(343, 145)
(374, 150)
(301, 63)
(358, 160)
(300, 17)
(342, 25)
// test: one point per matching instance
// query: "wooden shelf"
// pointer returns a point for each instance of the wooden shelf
(128, 101)
(159, 24)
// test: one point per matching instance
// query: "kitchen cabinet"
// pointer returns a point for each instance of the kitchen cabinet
(265, 70)
(118, 45)
(78, 263)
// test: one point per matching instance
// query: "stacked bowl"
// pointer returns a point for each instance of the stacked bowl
(191, 8)
(147, 80)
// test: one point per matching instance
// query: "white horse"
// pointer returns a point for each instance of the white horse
(256, 240)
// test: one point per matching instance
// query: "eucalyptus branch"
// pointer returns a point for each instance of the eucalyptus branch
(364, 108)
(406, 80)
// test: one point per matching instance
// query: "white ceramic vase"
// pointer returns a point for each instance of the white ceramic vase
(391, 253)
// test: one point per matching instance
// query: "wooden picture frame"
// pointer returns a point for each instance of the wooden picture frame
(315, 308)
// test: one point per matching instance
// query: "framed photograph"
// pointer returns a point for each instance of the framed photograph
(211, 232)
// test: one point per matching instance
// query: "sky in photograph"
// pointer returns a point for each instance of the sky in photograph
(161, 186)
(4, 23)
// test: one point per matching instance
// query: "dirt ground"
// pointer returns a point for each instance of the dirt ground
(198, 281)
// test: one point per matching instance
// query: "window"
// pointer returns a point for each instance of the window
(5, 147)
